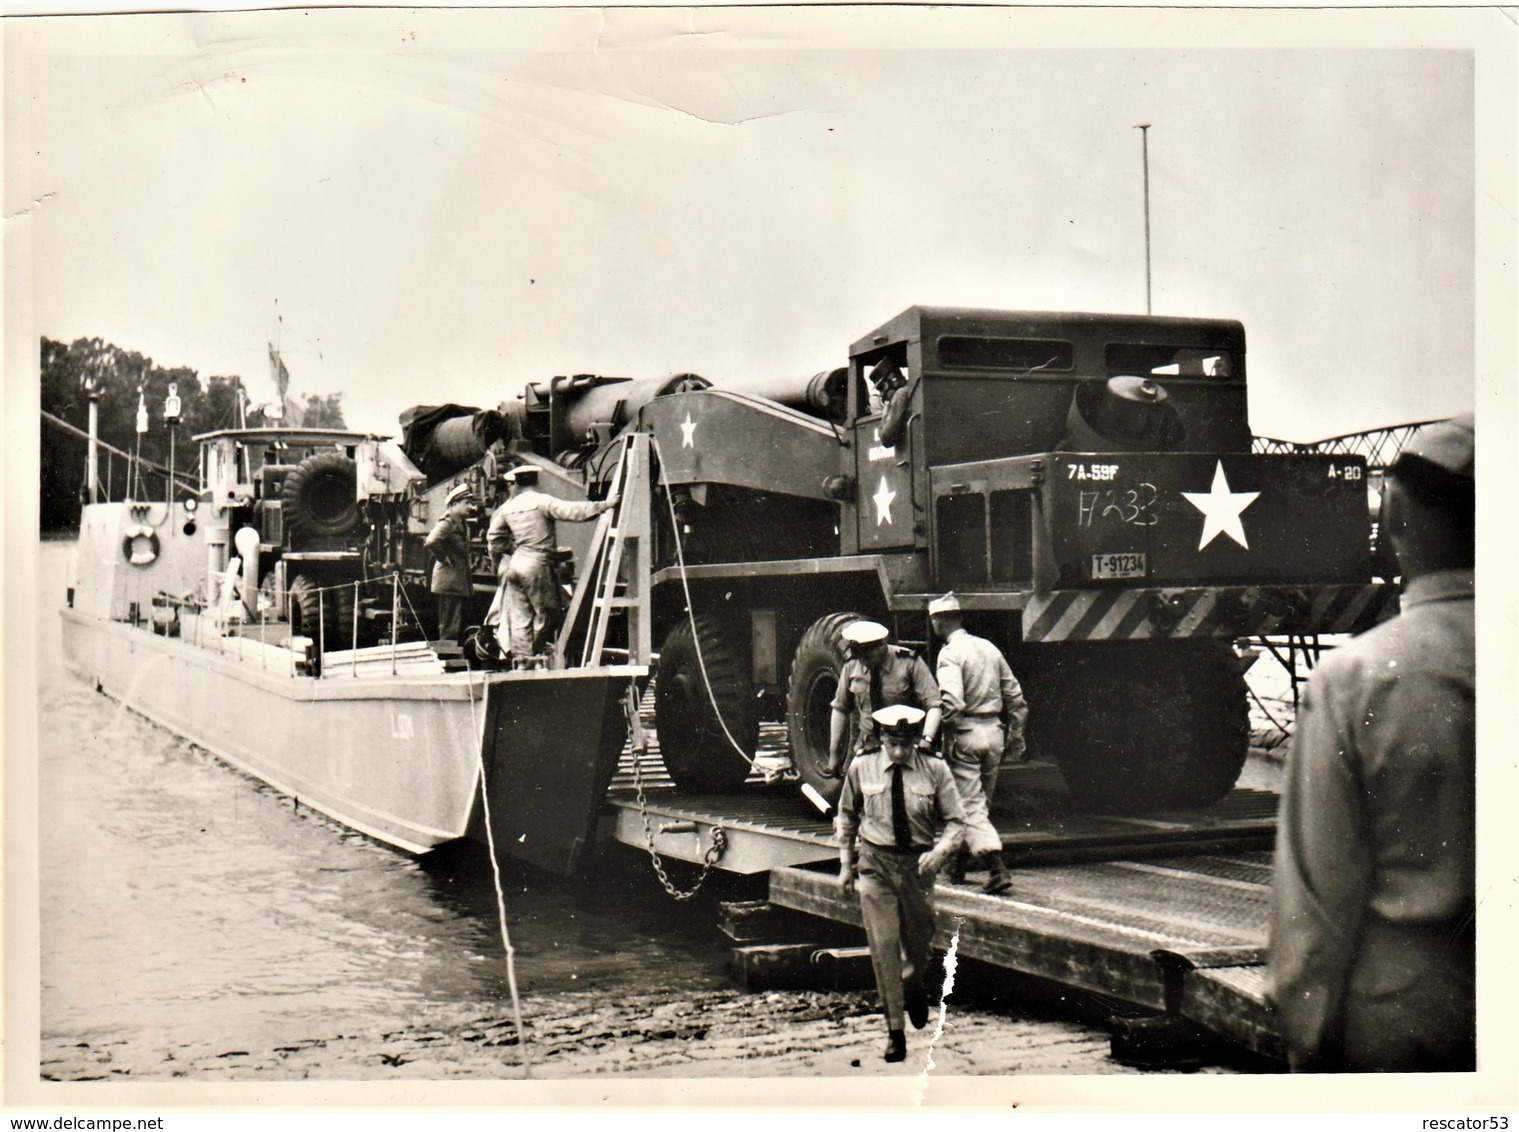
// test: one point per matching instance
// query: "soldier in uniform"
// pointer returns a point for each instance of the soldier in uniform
(530, 594)
(875, 676)
(448, 544)
(899, 821)
(984, 717)
(896, 395)
(1373, 897)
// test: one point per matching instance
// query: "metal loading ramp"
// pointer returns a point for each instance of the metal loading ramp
(1183, 936)
(1167, 911)
(771, 826)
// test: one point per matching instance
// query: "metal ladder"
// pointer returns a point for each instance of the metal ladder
(621, 538)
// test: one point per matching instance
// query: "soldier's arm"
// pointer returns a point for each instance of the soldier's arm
(847, 827)
(951, 687)
(838, 720)
(498, 537)
(951, 812)
(571, 511)
(926, 689)
(1014, 714)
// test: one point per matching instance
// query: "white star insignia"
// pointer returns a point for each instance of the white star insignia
(883, 497)
(1221, 509)
(688, 432)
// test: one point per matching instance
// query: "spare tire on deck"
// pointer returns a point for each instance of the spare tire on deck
(319, 499)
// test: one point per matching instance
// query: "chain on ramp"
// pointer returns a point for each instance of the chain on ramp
(714, 853)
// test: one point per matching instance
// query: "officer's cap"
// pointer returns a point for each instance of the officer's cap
(899, 721)
(1449, 446)
(863, 634)
(949, 603)
(459, 491)
(523, 474)
(885, 372)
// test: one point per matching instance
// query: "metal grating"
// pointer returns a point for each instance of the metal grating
(1380, 446)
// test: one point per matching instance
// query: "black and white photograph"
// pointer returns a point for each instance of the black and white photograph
(877, 556)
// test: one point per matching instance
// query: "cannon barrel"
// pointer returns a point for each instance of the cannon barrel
(615, 403)
(560, 416)
(822, 394)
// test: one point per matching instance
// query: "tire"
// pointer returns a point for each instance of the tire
(815, 670)
(319, 499)
(697, 753)
(1144, 727)
(336, 609)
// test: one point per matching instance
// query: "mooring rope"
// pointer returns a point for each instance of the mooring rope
(490, 841)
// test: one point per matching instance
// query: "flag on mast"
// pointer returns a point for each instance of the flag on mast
(284, 408)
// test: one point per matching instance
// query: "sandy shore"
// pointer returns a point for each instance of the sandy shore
(711, 1034)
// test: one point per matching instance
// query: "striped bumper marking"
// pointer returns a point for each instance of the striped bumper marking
(1198, 611)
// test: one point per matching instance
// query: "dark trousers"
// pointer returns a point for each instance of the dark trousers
(1411, 1003)
(898, 909)
(450, 616)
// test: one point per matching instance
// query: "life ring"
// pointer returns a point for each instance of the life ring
(140, 545)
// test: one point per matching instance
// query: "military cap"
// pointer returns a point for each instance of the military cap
(949, 603)
(886, 373)
(1447, 445)
(523, 474)
(457, 492)
(863, 634)
(899, 721)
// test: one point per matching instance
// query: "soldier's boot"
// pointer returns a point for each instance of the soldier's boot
(896, 1046)
(954, 871)
(999, 879)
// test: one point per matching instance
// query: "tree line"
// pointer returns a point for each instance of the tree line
(117, 375)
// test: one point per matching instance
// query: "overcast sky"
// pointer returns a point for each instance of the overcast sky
(443, 205)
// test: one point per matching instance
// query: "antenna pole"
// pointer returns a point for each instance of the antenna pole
(1144, 135)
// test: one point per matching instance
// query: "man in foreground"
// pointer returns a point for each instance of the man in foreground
(894, 803)
(1373, 901)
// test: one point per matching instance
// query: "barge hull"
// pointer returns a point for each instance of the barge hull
(392, 758)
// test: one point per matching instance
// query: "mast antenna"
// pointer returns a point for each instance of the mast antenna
(1144, 135)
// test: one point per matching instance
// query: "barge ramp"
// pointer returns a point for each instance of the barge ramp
(1166, 913)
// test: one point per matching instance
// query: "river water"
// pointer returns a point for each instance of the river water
(195, 923)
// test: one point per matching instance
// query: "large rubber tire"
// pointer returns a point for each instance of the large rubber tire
(335, 607)
(696, 751)
(1144, 727)
(319, 499)
(815, 671)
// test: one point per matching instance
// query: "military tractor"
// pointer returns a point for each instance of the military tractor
(337, 516)
(1084, 483)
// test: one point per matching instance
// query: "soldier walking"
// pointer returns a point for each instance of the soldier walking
(524, 525)
(877, 675)
(894, 804)
(984, 716)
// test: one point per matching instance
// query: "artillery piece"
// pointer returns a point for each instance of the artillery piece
(1084, 482)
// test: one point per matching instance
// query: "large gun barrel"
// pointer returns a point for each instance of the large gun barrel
(567, 414)
(822, 394)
